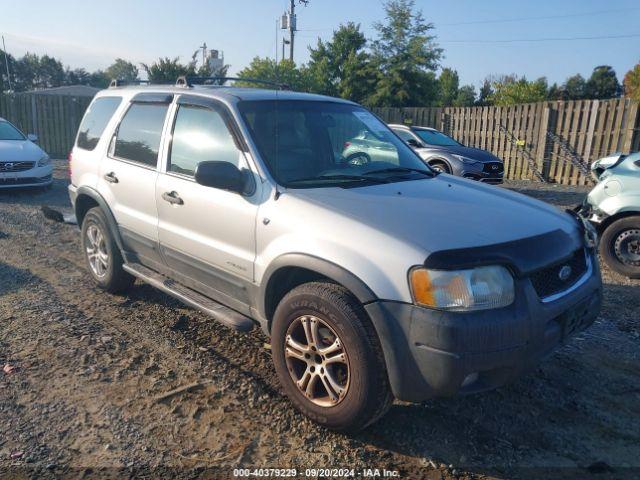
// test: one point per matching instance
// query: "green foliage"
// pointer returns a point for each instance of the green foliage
(405, 57)
(167, 70)
(603, 83)
(448, 85)
(122, 70)
(632, 83)
(575, 88)
(266, 69)
(486, 93)
(466, 96)
(511, 90)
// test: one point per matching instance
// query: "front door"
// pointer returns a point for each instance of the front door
(205, 233)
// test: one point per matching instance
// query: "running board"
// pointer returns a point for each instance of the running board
(221, 313)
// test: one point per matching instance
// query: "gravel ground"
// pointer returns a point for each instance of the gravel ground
(87, 388)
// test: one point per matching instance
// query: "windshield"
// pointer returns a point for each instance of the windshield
(308, 144)
(433, 137)
(9, 132)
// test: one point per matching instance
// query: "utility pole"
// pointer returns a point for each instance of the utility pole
(289, 23)
(6, 62)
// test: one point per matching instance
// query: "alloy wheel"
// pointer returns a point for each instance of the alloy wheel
(317, 361)
(96, 249)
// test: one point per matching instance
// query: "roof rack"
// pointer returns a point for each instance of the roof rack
(189, 81)
(118, 82)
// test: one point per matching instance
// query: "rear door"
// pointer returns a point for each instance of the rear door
(129, 173)
(206, 234)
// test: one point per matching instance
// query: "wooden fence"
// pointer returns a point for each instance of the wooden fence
(540, 137)
(551, 134)
(54, 118)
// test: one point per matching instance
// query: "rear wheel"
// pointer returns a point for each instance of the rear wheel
(328, 357)
(440, 166)
(102, 253)
(620, 246)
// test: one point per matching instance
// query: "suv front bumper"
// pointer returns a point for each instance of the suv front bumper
(433, 353)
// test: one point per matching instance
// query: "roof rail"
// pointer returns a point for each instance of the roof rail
(118, 82)
(189, 81)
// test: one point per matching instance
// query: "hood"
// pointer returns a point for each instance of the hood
(19, 151)
(446, 213)
(473, 153)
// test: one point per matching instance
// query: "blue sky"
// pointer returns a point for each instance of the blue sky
(477, 35)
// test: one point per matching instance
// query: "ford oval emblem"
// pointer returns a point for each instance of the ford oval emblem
(564, 273)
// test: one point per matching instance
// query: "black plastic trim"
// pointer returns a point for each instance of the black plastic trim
(163, 98)
(102, 203)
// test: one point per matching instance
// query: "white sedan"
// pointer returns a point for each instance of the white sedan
(22, 162)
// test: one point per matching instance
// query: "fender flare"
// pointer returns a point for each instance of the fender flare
(315, 264)
(102, 203)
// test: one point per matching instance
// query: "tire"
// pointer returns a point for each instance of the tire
(106, 266)
(342, 325)
(440, 166)
(359, 158)
(620, 246)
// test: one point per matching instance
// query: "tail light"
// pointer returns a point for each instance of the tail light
(70, 157)
(346, 144)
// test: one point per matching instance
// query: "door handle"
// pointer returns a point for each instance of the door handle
(173, 198)
(111, 177)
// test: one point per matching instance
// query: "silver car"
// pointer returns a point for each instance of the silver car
(374, 280)
(22, 162)
(447, 155)
(613, 206)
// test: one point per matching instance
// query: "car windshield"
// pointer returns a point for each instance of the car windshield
(9, 132)
(434, 137)
(307, 144)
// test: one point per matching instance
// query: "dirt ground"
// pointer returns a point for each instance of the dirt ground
(87, 384)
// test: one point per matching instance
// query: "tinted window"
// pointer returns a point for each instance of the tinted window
(200, 135)
(95, 120)
(9, 132)
(403, 134)
(433, 137)
(139, 133)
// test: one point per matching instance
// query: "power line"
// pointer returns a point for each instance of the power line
(547, 17)
(548, 39)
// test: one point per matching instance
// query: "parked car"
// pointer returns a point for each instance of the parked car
(613, 206)
(445, 154)
(22, 162)
(373, 280)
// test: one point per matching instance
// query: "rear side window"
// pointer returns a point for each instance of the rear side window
(200, 135)
(95, 120)
(138, 137)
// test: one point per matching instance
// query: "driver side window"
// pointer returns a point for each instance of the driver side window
(200, 135)
(404, 134)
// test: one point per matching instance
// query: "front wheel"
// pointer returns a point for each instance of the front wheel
(620, 246)
(328, 357)
(440, 166)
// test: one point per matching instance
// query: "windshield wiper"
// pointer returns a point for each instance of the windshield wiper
(400, 170)
(360, 178)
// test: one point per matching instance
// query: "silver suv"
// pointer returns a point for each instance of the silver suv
(374, 279)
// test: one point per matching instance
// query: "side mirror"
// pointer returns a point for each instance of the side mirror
(32, 137)
(412, 142)
(222, 175)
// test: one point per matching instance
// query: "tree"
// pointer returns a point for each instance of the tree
(603, 83)
(632, 83)
(78, 76)
(341, 66)
(575, 88)
(166, 70)
(122, 70)
(4, 80)
(486, 93)
(99, 79)
(511, 90)
(405, 57)
(466, 96)
(448, 85)
(284, 72)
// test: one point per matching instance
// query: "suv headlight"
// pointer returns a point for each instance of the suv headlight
(467, 160)
(44, 161)
(479, 288)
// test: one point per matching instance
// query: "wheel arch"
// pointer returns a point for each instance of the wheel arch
(290, 270)
(613, 218)
(88, 198)
(440, 159)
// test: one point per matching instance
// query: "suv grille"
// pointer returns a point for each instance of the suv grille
(16, 166)
(558, 278)
(493, 167)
